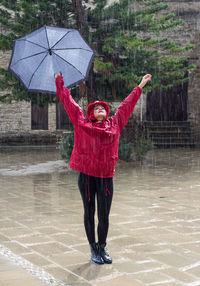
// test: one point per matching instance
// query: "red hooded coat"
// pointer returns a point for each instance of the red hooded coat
(95, 150)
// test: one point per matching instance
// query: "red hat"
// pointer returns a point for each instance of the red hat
(90, 109)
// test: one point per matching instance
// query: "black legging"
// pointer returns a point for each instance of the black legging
(103, 187)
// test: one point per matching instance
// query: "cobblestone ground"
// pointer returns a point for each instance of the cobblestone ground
(154, 235)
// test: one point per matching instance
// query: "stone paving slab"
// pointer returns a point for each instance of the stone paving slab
(154, 235)
(12, 275)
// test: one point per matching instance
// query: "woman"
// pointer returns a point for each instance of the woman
(95, 154)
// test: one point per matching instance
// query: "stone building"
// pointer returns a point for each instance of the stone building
(25, 123)
(189, 32)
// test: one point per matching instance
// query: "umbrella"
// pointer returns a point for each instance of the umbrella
(49, 50)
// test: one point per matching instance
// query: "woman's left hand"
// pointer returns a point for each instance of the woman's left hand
(56, 75)
(145, 79)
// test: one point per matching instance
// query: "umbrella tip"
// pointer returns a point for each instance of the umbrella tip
(50, 52)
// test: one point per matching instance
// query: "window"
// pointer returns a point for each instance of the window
(62, 119)
(39, 117)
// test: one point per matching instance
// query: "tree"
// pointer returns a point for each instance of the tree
(130, 43)
(126, 36)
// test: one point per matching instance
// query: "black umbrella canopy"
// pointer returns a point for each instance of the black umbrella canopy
(49, 50)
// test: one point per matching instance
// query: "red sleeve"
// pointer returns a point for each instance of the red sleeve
(126, 108)
(73, 110)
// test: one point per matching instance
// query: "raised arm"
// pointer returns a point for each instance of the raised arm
(73, 110)
(127, 106)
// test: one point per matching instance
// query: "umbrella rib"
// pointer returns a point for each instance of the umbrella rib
(28, 57)
(73, 49)
(69, 64)
(46, 36)
(33, 43)
(36, 70)
(60, 39)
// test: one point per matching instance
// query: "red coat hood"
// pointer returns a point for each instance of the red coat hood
(90, 109)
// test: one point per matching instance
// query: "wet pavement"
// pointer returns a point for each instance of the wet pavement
(154, 234)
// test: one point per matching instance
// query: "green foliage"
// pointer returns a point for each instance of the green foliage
(141, 146)
(102, 66)
(66, 146)
(134, 151)
(122, 39)
(6, 41)
(125, 150)
(134, 144)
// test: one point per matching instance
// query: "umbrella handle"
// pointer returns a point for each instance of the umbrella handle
(59, 73)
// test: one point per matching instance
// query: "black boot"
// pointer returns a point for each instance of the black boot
(104, 254)
(95, 254)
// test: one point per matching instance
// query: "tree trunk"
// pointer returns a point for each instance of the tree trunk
(83, 27)
(80, 16)
(82, 88)
(114, 91)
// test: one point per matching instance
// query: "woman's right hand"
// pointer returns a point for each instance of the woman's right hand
(56, 75)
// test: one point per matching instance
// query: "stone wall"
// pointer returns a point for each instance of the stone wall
(189, 32)
(52, 117)
(15, 117)
(15, 125)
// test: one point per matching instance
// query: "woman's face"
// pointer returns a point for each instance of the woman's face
(99, 112)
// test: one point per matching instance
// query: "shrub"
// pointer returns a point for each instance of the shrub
(133, 144)
(125, 150)
(66, 146)
(140, 147)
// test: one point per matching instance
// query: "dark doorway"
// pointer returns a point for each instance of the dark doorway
(39, 117)
(62, 119)
(170, 105)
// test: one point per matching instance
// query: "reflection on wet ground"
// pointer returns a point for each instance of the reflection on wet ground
(154, 235)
